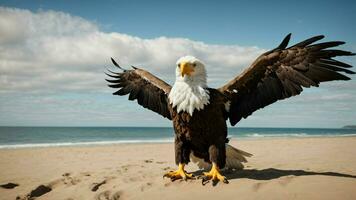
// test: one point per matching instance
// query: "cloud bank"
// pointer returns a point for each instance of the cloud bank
(54, 51)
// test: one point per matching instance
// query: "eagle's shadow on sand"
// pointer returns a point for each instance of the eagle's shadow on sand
(273, 173)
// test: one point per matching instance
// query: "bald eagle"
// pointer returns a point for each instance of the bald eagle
(199, 113)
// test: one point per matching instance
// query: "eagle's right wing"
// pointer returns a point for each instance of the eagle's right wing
(150, 91)
(282, 72)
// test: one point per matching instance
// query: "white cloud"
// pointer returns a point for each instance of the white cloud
(50, 50)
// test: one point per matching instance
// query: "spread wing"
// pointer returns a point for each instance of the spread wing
(282, 73)
(150, 91)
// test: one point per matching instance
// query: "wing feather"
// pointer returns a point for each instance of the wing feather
(149, 91)
(282, 73)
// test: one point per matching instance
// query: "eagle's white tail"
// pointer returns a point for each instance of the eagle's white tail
(234, 159)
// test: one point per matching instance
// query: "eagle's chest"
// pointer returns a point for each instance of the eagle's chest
(187, 126)
(201, 123)
(184, 119)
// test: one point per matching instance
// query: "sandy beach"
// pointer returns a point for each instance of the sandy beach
(281, 168)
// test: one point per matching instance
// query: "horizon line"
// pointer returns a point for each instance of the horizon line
(24, 126)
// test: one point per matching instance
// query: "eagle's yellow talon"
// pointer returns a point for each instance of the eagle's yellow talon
(179, 174)
(214, 175)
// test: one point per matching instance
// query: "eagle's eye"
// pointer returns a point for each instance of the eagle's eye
(194, 64)
(179, 65)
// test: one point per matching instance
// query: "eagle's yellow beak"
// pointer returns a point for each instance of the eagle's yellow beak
(186, 69)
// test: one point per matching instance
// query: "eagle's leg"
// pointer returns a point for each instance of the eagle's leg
(182, 152)
(217, 156)
(180, 173)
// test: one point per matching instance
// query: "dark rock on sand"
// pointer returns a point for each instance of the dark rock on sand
(9, 185)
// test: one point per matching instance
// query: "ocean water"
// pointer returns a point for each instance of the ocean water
(20, 137)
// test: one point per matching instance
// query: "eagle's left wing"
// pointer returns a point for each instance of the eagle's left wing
(150, 91)
(281, 73)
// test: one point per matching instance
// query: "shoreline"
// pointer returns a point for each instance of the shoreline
(153, 141)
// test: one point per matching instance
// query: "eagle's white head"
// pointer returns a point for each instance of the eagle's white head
(191, 70)
(189, 91)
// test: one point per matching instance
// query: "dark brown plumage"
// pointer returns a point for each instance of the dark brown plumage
(150, 91)
(281, 73)
(275, 75)
(204, 134)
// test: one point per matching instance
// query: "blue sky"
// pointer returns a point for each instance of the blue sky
(260, 23)
(54, 54)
